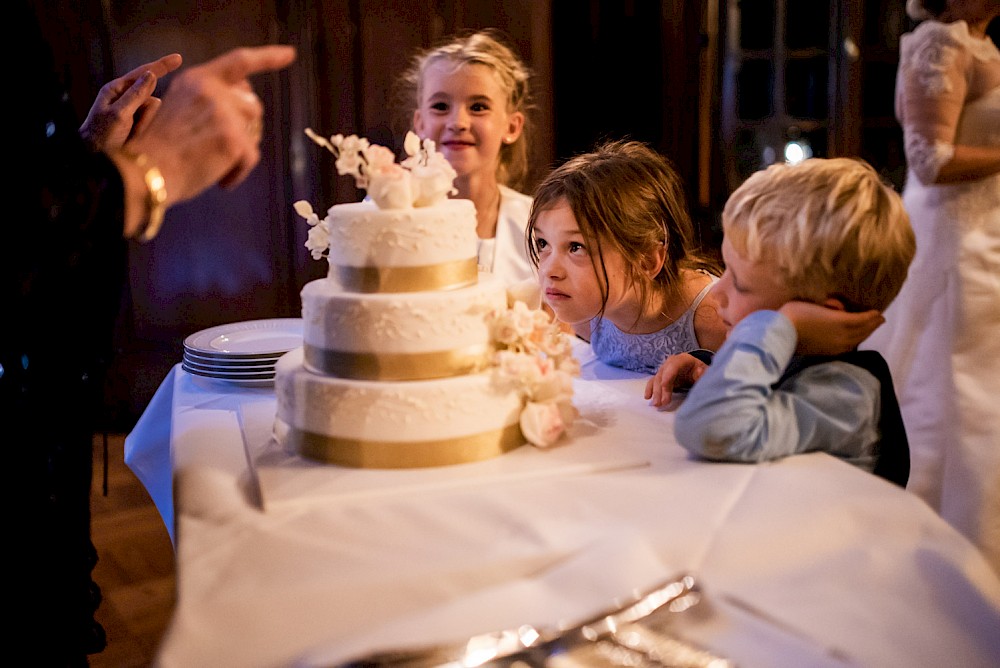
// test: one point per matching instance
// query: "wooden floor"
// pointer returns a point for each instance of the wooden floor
(135, 567)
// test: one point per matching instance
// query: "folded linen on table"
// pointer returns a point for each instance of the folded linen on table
(211, 495)
(876, 537)
(147, 450)
(616, 569)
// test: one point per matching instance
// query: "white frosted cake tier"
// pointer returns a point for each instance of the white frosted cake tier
(395, 424)
(399, 336)
(402, 250)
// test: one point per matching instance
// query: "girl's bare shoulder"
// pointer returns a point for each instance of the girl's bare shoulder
(708, 325)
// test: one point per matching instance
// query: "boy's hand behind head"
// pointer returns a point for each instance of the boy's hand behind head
(828, 329)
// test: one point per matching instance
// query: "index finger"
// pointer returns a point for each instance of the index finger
(239, 63)
(159, 68)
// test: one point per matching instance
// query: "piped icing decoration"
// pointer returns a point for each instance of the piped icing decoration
(535, 356)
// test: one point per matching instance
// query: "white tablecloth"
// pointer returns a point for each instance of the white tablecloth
(806, 561)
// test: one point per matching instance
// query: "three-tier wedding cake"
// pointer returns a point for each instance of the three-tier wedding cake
(411, 357)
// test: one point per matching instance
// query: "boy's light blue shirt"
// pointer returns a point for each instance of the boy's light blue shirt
(733, 414)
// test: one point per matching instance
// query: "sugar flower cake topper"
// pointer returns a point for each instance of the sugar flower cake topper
(424, 178)
(536, 357)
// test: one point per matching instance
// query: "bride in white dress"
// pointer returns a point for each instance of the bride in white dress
(942, 334)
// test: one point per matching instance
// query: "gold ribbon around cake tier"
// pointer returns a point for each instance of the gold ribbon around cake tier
(443, 276)
(399, 366)
(405, 454)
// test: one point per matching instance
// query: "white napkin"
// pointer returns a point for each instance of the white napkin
(147, 450)
(602, 576)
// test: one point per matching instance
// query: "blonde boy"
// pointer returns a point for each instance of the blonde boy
(798, 241)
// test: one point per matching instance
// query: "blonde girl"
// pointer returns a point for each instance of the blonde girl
(471, 96)
(617, 258)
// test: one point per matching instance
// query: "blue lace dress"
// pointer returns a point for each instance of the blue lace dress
(646, 352)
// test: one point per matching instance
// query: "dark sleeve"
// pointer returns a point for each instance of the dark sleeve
(702, 355)
(65, 255)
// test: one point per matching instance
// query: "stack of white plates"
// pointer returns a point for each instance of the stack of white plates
(241, 352)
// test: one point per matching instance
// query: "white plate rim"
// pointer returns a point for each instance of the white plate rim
(200, 342)
(236, 366)
(225, 375)
(269, 358)
(255, 382)
(236, 372)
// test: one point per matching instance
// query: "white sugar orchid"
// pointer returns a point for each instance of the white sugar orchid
(433, 184)
(304, 209)
(411, 143)
(352, 158)
(318, 241)
(433, 175)
(350, 152)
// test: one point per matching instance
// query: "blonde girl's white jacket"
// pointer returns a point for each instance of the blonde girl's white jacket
(510, 253)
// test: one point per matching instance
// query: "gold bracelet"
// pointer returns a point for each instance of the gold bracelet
(156, 199)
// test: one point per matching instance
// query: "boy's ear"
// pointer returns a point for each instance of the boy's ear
(418, 122)
(835, 304)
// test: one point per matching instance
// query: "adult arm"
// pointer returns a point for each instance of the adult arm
(206, 131)
(126, 105)
(933, 88)
(65, 243)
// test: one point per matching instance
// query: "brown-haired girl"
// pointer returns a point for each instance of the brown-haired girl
(617, 258)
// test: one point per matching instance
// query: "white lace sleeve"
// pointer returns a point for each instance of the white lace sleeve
(931, 88)
(925, 156)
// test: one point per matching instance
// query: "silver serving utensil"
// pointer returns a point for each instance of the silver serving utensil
(632, 636)
(477, 651)
(614, 638)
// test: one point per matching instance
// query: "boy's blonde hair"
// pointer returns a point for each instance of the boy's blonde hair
(485, 47)
(830, 227)
(626, 196)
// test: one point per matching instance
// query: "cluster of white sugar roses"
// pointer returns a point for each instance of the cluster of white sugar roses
(424, 178)
(536, 357)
